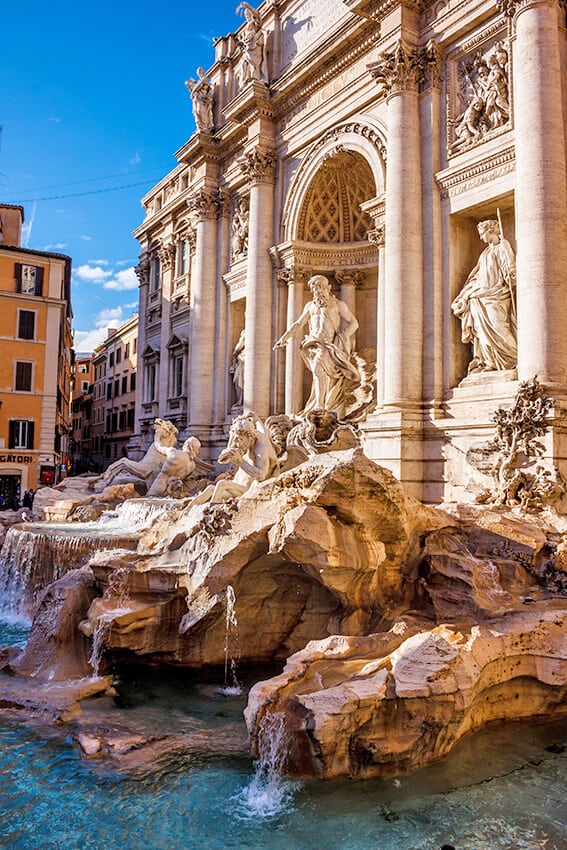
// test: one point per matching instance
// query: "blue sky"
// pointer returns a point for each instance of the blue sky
(93, 98)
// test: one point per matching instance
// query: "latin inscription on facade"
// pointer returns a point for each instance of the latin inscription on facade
(310, 22)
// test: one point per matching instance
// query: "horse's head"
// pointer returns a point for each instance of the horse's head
(242, 436)
(165, 433)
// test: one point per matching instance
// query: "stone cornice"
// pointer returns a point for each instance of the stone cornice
(253, 102)
(306, 77)
(456, 181)
(378, 9)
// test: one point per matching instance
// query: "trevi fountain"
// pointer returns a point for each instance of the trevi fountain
(332, 614)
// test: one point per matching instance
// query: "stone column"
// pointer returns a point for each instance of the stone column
(135, 449)
(378, 237)
(295, 277)
(348, 281)
(259, 167)
(541, 201)
(204, 208)
(399, 73)
(166, 254)
(221, 376)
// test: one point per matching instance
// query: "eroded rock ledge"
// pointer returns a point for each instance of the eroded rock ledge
(404, 627)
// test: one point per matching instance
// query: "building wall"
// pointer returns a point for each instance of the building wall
(35, 331)
(359, 155)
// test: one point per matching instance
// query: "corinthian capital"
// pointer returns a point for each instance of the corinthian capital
(294, 274)
(401, 69)
(166, 254)
(510, 7)
(204, 205)
(259, 166)
(143, 268)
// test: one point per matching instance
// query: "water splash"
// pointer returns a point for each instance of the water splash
(118, 589)
(268, 794)
(232, 686)
(100, 634)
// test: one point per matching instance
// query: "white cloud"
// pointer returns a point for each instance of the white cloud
(55, 119)
(92, 274)
(136, 159)
(27, 228)
(57, 247)
(85, 238)
(98, 263)
(122, 280)
(110, 317)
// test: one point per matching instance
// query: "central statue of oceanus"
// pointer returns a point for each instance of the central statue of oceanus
(340, 379)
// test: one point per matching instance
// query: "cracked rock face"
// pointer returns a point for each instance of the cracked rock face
(404, 627)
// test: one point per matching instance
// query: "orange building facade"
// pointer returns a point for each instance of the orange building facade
(35, 367)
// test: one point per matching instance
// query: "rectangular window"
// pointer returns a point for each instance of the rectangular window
(117, 387)
(111, 359)
(135, 345)
(23, 376)
(29, 279)
(130, 418)
(152, 376)
(109, 390)
(26, 324)
(85, 386)
(124, 384)
(127, 351)
(122, 420)
(183, 254)
(114, 422)
(21, 434)
(132, 382)
(156, 274)
(118, 355)
(178, 377)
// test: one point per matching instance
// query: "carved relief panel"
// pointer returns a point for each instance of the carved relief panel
(479, 91)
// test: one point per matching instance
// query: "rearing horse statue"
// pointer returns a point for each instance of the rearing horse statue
(252, 451)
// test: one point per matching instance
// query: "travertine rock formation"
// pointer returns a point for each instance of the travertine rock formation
(407, 626)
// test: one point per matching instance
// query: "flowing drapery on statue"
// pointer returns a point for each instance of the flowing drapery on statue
(328, 349)
(486, 304)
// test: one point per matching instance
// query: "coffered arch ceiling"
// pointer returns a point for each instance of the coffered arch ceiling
(331, 211)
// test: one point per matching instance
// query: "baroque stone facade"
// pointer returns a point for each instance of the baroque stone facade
(366, 140)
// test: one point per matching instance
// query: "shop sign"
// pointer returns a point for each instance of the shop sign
(16, 458)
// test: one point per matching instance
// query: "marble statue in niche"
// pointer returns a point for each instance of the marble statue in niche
(486, 304)
(237, 368)
(253, 41)
(484, 97)
(327, 349)
(202, 94)
(239, 230)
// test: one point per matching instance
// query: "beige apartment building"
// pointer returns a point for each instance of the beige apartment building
(35, 368)
(114, 365)
(366, 141)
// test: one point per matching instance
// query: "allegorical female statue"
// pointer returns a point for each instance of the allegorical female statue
(202, 95)
(486, 304)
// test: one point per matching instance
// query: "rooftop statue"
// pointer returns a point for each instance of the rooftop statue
(327, 349)
(485, 305)
(202, 95)
(253, 42)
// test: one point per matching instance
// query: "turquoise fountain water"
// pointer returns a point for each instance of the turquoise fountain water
(505, 788)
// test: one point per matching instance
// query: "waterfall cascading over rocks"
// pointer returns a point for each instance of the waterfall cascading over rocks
(36, 554)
